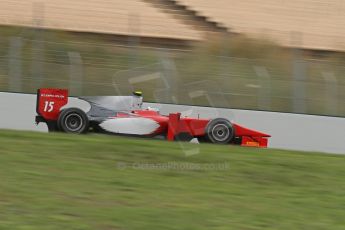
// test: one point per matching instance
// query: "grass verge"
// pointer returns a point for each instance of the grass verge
(56, 181)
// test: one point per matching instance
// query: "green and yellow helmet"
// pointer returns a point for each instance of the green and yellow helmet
(138, 93)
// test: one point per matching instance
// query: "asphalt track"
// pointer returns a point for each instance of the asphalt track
(289, 131)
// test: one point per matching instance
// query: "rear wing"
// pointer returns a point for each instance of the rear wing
(50, 101)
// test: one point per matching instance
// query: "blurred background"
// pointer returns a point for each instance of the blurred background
(271, 55)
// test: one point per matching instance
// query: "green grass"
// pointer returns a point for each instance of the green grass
(56, 181)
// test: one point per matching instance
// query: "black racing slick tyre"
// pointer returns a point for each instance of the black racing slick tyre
(219, 131)
(73, 120)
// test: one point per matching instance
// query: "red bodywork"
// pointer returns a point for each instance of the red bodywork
(174, 124)
(50, 102)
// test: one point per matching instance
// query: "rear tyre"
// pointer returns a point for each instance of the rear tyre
(73, 120)
(219, 131)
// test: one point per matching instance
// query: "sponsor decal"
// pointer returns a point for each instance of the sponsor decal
(252, 144)
(52, 95)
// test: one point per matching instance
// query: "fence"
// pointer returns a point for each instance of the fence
(85, 67)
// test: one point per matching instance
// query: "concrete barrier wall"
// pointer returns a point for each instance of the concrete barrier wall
(289, 131)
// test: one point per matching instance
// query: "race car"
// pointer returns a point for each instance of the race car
(125, 115)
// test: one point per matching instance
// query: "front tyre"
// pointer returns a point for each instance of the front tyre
(219, 131)
(73, 120)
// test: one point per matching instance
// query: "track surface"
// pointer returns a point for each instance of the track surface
(289, 131)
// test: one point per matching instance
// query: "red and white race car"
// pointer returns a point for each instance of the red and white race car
(124, 115)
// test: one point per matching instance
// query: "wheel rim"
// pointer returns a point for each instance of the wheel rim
(73, 122)
(220, 132)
